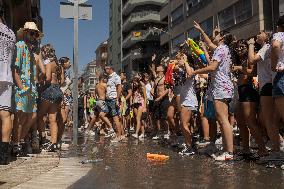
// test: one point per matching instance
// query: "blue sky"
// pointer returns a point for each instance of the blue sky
(59, 32)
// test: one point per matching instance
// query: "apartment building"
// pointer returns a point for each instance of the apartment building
(89, 76)
(115, 39)
(101, 57)
(141, 28)
(243, 18)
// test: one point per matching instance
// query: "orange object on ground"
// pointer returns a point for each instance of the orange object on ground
(157, 157)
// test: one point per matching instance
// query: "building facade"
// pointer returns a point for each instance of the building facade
(243, 18)
(114, 42)
(101, 57)
(141, 28)
(17, 12)
(89, 77)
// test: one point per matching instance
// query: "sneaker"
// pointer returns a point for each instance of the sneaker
(131, 128)
(219, 141)
(167, 136)
(115, 140)
(203, 143)
(135, 135)
(18, 151)
(156, 137)
(225, 156)
(142, 136)
(188, 151)
(51, 148)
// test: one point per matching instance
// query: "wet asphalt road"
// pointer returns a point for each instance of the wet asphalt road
(125, 166)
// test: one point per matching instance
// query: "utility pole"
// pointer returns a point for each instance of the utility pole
(71, 10)
(75, 71)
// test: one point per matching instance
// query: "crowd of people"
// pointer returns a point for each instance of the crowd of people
(33, 84)
(239, 90)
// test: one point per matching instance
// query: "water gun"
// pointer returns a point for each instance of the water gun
(157, 157)
(196, 51)
(169, 75)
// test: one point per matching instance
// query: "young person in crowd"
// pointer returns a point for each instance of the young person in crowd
(113, 100)
(7, 45)
(52, 96)
(25, 91)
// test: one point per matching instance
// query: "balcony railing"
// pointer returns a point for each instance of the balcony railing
(137, 54)
(131, 4)
(144, 16)
(141, 35)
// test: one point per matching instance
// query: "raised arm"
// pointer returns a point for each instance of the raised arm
(207, 40)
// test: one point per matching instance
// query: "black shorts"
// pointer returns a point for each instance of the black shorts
(161, 108)
(80, 113)
(150, 105)
(247, 93)
(136, 105)
(266, 90)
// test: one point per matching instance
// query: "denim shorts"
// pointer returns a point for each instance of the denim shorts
(52, 94)
(112, 107)
(101, 106)
(278, 85)
(209, 110)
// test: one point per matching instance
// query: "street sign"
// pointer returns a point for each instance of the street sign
(79, 1)
(67, 11)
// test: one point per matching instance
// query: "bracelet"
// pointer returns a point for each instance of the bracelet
(250, 44)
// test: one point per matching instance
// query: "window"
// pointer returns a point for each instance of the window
(177, 16)
(243, 10)
(226, 17)
(192, 3)
(193, 34)
(207, 26)
(235, 14)
(92, 81)
(281, 8)
(176, 42)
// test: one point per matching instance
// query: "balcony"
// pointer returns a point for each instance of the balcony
(137, 54)
(141, 17)
(131, 4)
(141, 35)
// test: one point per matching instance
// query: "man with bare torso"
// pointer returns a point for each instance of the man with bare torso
(161, 99)
(101, 106)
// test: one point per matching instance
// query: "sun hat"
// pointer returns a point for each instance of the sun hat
(29, 26)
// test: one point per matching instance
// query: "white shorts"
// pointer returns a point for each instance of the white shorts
(5, 96)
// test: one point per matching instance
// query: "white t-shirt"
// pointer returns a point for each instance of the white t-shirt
(113, 81)
(188, 95)
(280, 37)
(222, 85)
(7, 52)
(265, 75)
(149, 87)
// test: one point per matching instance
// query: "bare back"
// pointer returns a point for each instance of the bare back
(101, 91)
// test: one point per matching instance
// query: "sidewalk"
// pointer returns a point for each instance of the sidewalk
(45, 170)
(65, 174)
